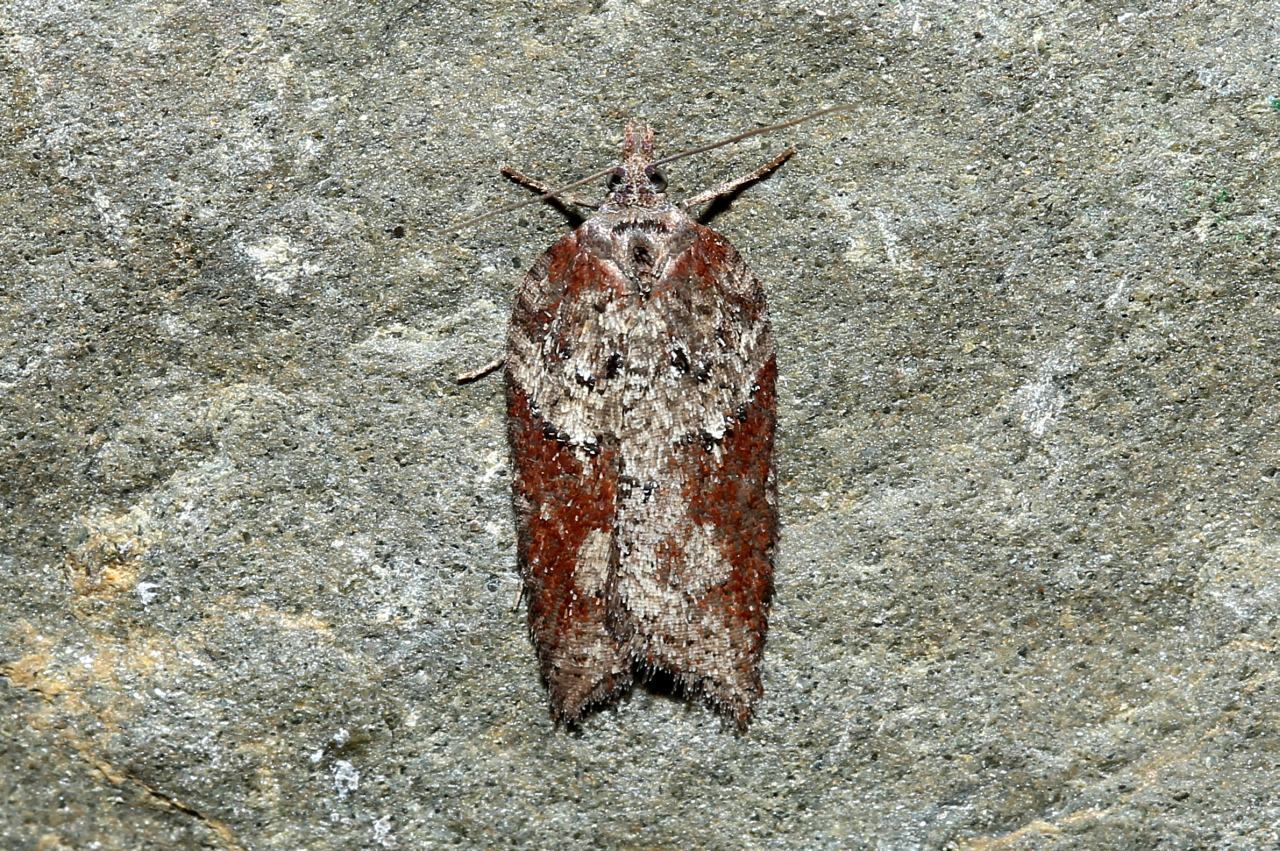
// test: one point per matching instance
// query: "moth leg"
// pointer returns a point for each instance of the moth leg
(545, 189)
(477, 374)
(735, 185)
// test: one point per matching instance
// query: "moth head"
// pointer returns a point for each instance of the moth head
(636, 181)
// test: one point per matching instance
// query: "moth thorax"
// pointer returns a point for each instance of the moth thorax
(640, 254)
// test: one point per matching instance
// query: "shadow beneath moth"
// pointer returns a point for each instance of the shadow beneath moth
(640, 382)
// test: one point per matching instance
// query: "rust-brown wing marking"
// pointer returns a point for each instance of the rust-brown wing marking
(564, 502)
(714, 565)
(734, 495)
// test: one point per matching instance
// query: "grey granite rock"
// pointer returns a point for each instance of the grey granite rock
(256, 555)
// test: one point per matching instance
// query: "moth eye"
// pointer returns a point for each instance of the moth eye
(657, 178)
(615, 178)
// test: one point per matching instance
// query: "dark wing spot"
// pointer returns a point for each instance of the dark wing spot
(679, 360)
(626, 484)
(613, 365)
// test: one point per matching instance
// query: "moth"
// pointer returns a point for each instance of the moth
(641, 406)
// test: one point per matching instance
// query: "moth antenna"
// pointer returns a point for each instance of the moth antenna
(729, 140)
(756, 132)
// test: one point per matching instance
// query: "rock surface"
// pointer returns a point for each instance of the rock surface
(256, 551)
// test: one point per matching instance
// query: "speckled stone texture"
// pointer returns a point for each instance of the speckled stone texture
(256, 547)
